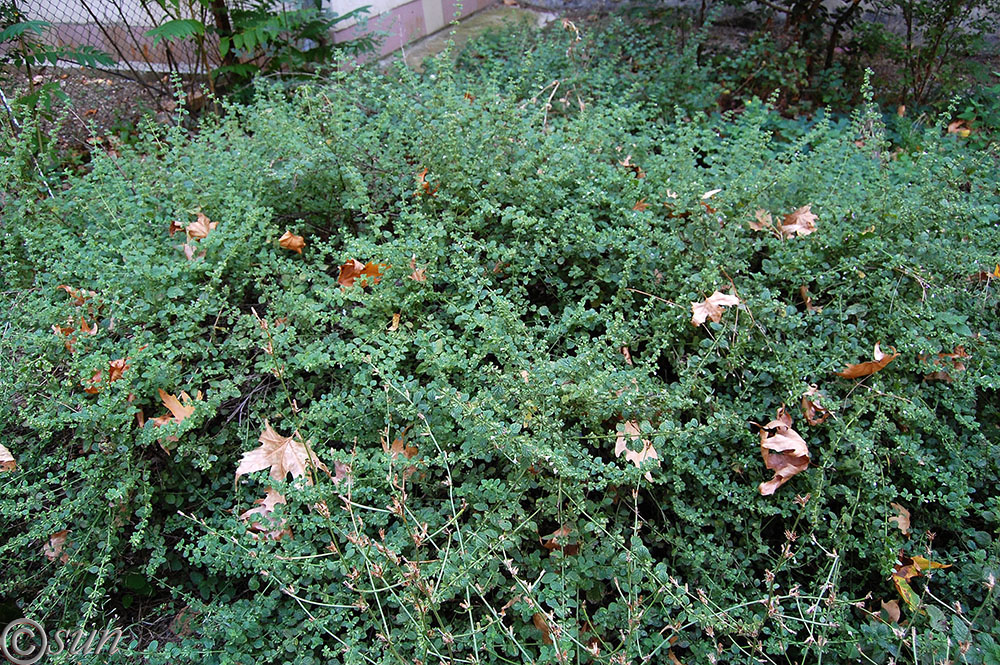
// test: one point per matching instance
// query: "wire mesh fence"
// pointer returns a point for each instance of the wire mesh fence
(119, 27)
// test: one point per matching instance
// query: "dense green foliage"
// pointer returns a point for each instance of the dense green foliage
(506, 374)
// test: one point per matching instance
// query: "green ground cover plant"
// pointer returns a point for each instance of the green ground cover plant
(475, 367)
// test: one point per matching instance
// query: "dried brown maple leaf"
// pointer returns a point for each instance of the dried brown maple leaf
(801, 222)
(868, 368)
(354, 270)
(814, 412)
(807, 300)
(282, 455)
(901, 518)
(53, 550)
(957, 365)
(7, 461)
(959, 127)
(419, 274)
(180, 409)
(711, 307)
(116, 369)
(983, 276)
(559, 540)
(641, 205)
(634, 168)
(424, 187)
(262, 524)
(292, 242)
(201, 228)
(80, 296)
(783, 450)
(174, 227)
(631, 432)
(399, 446)
(543, 627)
(764, 221)
(891, 608)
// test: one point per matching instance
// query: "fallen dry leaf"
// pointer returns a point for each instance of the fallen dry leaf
(281, 454)
(627, 354)
(891, 609)
(180, 409)
(711, 307)
(807, 300)
(634, 168)
(868, 368)
(960, 128)
(354, 270)
(53, 550)
(7, 461)
(954, 358)
(181, 624)
(901, 518)
(420, 275)
(983, 276)
(174, 227)
(394, 326)
(783, 450)
(631, 433)
(814, 412)
(559, 540)
(201, 228)
(116, 369)
(764, 221)
(80, 296)
(802, 222)
(641, 205)
(710, 193)
(265, 525)
(424, 187)
(543, 627)
(292, 242)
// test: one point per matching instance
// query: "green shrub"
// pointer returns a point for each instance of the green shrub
(476, 509)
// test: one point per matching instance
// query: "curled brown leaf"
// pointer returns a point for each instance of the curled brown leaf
(868, 368)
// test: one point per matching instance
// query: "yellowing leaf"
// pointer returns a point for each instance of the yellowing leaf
(906, 570)
(7, 461)
(901, 518)
(292, 242)
(868, 368)
(281, 454)
(711, 308)
(783, 450)
(801, 222)
(631, 433)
